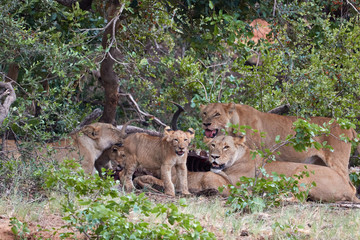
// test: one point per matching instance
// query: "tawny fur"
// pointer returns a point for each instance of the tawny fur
(231, 151)
(157, 153)
(85, 145)
(217, 116)
(110, 154)
(237, 160)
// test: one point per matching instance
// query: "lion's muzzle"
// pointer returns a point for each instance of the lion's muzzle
(211, 133)
(217, 167)
(180, 153)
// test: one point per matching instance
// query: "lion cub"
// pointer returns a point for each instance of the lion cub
(110, 154)
(157, 153)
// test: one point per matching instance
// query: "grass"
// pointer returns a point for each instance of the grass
(291, 221)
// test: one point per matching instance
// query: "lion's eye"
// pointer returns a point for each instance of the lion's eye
(185, 140)
(176, 140)
(226, 147)
(212, 145)
(216, 114)
(204, 113)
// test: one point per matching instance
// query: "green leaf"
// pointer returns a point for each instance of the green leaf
(211, 5)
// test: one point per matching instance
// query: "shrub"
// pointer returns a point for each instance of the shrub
(259, 193)
(95, 207)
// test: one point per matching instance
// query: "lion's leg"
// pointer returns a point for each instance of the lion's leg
(147, 181)
(127, 177)
(181, 171)
(166, 177)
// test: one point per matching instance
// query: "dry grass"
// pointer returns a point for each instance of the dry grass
(291, 221)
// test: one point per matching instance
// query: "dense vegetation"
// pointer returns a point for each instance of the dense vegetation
(64, 61)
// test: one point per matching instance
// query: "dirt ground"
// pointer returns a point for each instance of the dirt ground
(50, 222)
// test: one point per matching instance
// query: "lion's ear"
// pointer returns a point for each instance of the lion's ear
(167, 133)
(191, 133)
(91, 131)
(240, 140)
(230, 108)
(202, 107)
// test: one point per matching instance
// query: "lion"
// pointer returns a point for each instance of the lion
(109, 155)
(217, 116)
(155, 153)
(231, 156)
(85, 145)
(231, 159)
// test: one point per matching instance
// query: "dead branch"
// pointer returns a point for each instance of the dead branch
(142, 114)
(281, 109)
(133, 129)
(9, 99)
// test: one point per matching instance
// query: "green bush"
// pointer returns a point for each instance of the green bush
(96, 208)
(260, 193)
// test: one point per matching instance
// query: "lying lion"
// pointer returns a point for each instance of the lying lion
(155, 153)
(231, 160)
(216, 116)
(230, 156)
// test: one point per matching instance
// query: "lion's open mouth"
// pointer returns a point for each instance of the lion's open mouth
(119, 167)
(179, 153)
(211, 133)
(217, 167)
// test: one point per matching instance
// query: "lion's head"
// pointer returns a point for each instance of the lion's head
(117, 154)
(179, 140)
(215, 116)
(102, 135)
(224, 151)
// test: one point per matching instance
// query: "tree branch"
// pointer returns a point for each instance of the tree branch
(10, 98)
(141, 113)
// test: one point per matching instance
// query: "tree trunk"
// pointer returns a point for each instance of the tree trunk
(110, 82)
(108, 78)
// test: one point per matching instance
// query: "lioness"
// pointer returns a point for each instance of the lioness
(231, 159)
(153, 153)
(87, 144)
(216, 116)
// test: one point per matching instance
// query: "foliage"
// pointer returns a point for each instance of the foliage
(42, 40)
(355, 178)
(22, 177)
(191, 52)
(19, 228)
(258, 194)
(96, 208)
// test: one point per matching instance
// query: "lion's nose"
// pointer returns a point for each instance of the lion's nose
(215, 156)
(207, 124)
